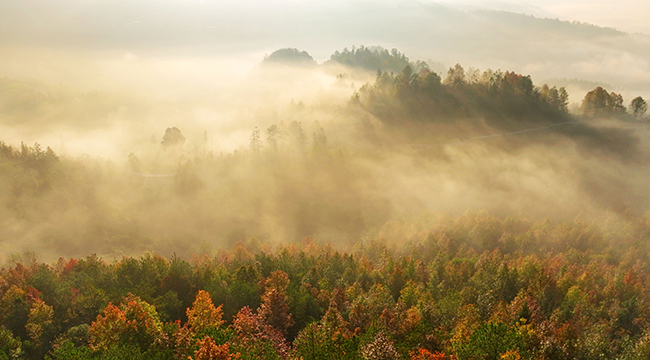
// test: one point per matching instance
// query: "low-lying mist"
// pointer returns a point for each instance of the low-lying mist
(279, 151)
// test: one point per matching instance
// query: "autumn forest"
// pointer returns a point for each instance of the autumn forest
(368, 206)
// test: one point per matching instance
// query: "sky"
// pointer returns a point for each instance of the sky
(626, 15)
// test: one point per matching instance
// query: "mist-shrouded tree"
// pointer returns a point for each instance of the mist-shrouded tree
(255, 141)
(616, 104)
(599, 102)
(455, 76)
(431, 82)
(297, 135)
(173, 137)
(134, 163)
(319, 140)
(596, 102)
(274, 136)
(516, 82)
(563, 99)
(638, 107)
(405, 77)
(556, 97)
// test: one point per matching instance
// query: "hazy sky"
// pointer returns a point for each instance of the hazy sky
(128, 30)
(626, 15)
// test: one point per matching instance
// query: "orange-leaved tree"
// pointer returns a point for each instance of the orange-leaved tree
(108, 329)
(423, 354)
(257, 337)
(274, 307)
(134, 321)
(209, 350)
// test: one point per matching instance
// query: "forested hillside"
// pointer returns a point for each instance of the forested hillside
(460, 215)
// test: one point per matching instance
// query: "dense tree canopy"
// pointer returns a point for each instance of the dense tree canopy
(530, 291)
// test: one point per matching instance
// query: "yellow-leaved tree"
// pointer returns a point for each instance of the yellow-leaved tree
(203, 314)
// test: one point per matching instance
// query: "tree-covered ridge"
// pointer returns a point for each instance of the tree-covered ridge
(472, 287)
(497, 96)
(426, 108)
(289, 56)
(375, 58)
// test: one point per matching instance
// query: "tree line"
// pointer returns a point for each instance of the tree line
(504, 99)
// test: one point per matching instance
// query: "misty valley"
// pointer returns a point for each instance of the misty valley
(369, 206)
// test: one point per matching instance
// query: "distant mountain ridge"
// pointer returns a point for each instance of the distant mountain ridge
(544, 48)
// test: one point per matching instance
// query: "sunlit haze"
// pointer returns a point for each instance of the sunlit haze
(320, 180)
(627, 15)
